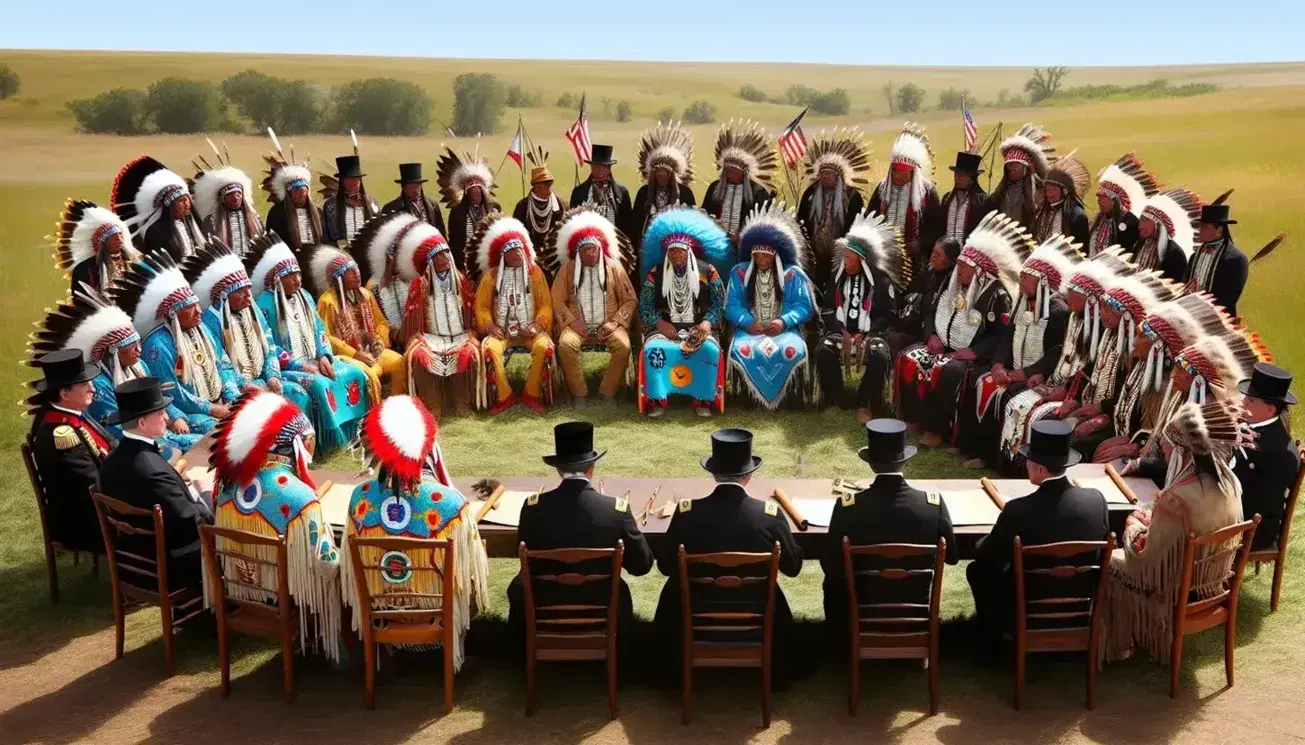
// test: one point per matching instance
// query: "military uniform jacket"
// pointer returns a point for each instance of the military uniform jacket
(68, 449)
(1057, 511)
(576, 515)
(729, 520)
(1267, 474)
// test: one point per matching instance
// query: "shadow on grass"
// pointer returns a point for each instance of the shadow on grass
(31, 626)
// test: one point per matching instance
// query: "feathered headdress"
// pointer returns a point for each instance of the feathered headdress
(880, 246)
(497, 235)
(746, 146)
(284, 174)
(773, 227)
(690, 228)
(841, 150)
(269, 259)
(398, 243)
(214, 271)
(152, 291)
(82, 231)
(1070, 174)
(581, 226)
(327, 266)
(86, 322)
(1211, 430)
(911, 150)
(997, 247)
(399, 438)
(143, 192)
(1220, 363)
(456, 173)
(1134, 297)
(1128, 181)
(1030, 145)
(1092, 279)
(1052, 263)
(669, 145)
(259, 422)
(1174, 326)
(1176, 212)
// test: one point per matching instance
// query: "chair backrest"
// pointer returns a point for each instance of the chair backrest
(119, 519)
(1284, 533)
(406, 605)
(1071, 608)
(237, 563)
(38, 487)
(898, 617)
(741, 622)
(563, 619)
(1203, 552)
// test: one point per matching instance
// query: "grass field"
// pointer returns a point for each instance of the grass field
(1245, 136)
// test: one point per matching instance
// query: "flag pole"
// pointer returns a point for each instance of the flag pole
(521, 130)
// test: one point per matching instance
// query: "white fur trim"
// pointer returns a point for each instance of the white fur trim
(320, 262)
(419, 234)
(209, 185)
(275, 254)
(385, 236)
(745, 160)
(404, 426)
(1184, 234)
(101, 323)
(79, 243)
(285, 175)
(160, 286)
(225, 266)
(244, 431)
(909, 146)
(150, 187)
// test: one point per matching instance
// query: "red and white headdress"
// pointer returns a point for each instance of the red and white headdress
(1127, 181)
(1176, 213)
(284, 174)
(1051, 263)
(911, 151)
(327, 266)
(269, 259)
(143, 192)
(997, 248)
(496, 237)
(1030, 145)
(83, 229)
(260, 423)
(396, 244)
(214, 271)
(91, 324)
(1135, 297)
(585, 226)
(1174, 326)
(152, 292)
(400, 440)
(1221, 362)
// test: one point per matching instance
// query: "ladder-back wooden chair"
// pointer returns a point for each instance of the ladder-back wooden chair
(429, 620)
(892, 631)
(275, 617)
(52, 548)
(1069, 622)
(1192, 616)
(742, 653)
(1277, 554)
(176, 607)
(572, 631)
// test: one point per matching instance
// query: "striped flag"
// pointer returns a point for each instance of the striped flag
(793, 142)
(971, 129)
(514, 150)
(578, 136)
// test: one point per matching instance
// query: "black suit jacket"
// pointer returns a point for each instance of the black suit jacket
(1229, 278)
(1122, 229)
(1075, 223)
(433, 214)
(576, 515)
(580, 196)
(68, 471)
(1057, 511)
(1174, 264)
(1267, 474)
(1053, 340)
(86, 271)
(729, 520)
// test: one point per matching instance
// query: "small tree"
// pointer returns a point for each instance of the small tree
(9, 82)
(752, 93)
(953, 100)
(666, 115)
(184, 106)
(287, 106)
(567, 101)
(120, 111)
(623, 111)
(892, 99)
(700, 112)
(1045, 83)
(799, 95)
(382, 106)
(478, 101)
(522, 98)
(909, 98)
(831, 103)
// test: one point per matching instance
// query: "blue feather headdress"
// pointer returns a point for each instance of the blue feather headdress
(774, 225)
(691, 227)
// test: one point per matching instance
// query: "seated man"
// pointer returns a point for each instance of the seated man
(93, 245)
(1056, 512)
(577, 515)
(1267, 472)
(889, 511)
(136, 473)
(68, 447)
(411, 496)
(261, 484)
(593, 300)
(513, 309)
(681, 306)
(729, 519)
(769, 301)
(858, 309)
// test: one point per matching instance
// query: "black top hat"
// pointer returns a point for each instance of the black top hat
(1268, 383)
(574, 443)
(731, 453)
(601, 155)
(410, 173)
(64, 368)
(1216, 214)
(347, 166)
(971, 163)
(1049, 445)
(136, 398)
(886, 443)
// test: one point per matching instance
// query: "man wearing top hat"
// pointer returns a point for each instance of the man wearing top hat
(136, 473)
(888, 511)
(1267, 472)
(600, 189)
(412, 197)
(68, 447)
(346, 211)
(728, 519)
(540, 210)
(1218, 266)
(576, 515)
(966, 204)
(1057, 511)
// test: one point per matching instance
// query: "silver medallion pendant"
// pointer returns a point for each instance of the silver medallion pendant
(975, 318)
(853, 313)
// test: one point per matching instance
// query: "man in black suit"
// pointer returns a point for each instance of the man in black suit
(601, 190)
(889, 511)
(1267, 472)
(137, 474)
(576, 515)
(412, 197)
(1218, 266)
(966, 204)
(1058, 511)
(728, 519)
(68, 447)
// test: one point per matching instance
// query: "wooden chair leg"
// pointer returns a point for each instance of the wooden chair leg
(686, 691)
(1019, 674)
(52, 574)
(854, 680)
(288, 665)
(1279, 567)
(95, 566)
(448, 674)
(169, 651)
(369, 675)
(766, 673)
(224, 656)
(1091, 678)
(1175, 664)
(1229, 644)
(611, 686)
(119, 623)
(531, 672)
(933, 677)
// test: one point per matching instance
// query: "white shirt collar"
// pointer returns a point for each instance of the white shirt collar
(888, 473)
(1263, 424)
(77, 414)
(134, 436)
(576, 476)
(1061, 477)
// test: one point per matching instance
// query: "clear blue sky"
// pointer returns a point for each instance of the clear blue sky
(976, 32)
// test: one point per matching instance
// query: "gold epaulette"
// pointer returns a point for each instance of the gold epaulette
(65, 437)
(685, 505)
(622, 505)
(772, 508)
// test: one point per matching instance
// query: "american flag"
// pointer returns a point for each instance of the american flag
(578, 135)
(514, 150)
(971, 130)
(793, 142)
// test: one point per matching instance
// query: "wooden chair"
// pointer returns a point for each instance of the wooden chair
(570, 634)
(743, 653)
(52, 548)
(276, 617)
(176, 607)
(413, 625)
(1194, 616)
(906, 637)
(1278, 554)
(1073, 622)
